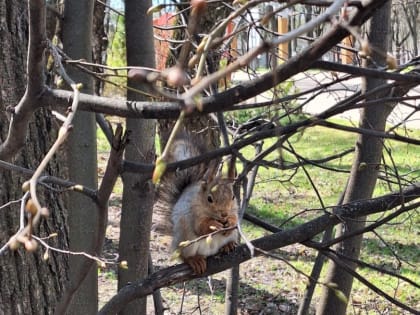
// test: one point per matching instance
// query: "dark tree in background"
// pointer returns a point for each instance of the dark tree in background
(138, 193)
(82, 164)
(362, 180)
(29, 284)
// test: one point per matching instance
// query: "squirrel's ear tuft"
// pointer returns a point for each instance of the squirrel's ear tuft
(231, 168)
(211, 172)
(204, 185)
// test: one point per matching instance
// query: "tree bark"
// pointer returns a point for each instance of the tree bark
(28, 284)
(82, 163)
(100, 41)
(364, 171)
(138, 191)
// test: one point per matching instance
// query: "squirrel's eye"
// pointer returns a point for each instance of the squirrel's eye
(210, 198)
(233, 197)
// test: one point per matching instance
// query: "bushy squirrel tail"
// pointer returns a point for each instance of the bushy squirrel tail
(173, 183)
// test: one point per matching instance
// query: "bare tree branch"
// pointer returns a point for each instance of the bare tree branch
(46, 179)
(413, 77)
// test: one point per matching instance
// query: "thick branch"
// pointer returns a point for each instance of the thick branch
(35, 85)
(46, 179)
(302, 233)
(412, 77)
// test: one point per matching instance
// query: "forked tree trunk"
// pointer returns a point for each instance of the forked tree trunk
(28, 284)
(364, 171)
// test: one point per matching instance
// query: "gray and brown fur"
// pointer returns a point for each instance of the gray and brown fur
(173, 183)
(199, 202)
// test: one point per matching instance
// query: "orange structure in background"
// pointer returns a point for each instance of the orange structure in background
(162, 46)
(346, 55)
(282, 28)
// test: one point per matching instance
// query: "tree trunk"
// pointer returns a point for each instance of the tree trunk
(28, 284)
(138, 191)
(100, 41)
(364, 170)
(82, 162)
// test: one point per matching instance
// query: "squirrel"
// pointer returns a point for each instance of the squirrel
(201, 202)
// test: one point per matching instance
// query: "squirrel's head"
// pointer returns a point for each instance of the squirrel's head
(217, 193)
(219, 198)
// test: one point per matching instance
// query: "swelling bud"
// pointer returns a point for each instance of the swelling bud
(175, 77)
(30, 207)
(31, 245)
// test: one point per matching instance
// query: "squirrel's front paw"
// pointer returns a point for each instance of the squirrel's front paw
(231, 221)
(228, 247)
(197, 263)
(210, 225)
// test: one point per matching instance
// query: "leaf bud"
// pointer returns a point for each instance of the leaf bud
(26, 186)
(46, 255)
(14, 244)
(31, 245)
(209, 239)
(30, 207)
(176, 77)
(45, 212)
(184, 244)
(123, 264)
(101, 264)
(159, 170)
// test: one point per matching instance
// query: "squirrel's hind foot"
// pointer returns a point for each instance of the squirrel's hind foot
(197, 263)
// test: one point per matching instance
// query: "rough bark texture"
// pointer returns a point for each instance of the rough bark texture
(28, 284)
(100, 41)
(82, 162)
(138, 194)
(364, 170)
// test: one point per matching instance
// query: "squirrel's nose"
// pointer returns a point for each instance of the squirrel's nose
(224, 214)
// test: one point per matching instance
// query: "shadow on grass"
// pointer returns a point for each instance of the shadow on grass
(387, 256)
(251, 300)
